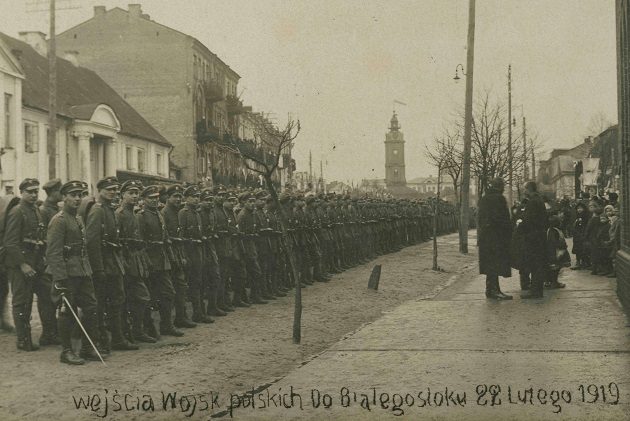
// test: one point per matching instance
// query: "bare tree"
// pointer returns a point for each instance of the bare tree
(263, 157)
(438, 157)
(597, 124)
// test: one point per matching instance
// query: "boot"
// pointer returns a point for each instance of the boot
(181, 318)
(149, 324)
(212, 308)
(166, 325)
(198, 314)
(137, 327)
(64, 327)
(491, 290)
(23, 331)
(119, 342)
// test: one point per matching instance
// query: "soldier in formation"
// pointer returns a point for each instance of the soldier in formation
(140, 252)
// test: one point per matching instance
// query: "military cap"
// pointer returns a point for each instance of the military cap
(284, 198)
(85, 185)
(107, 182)
(310, 198)
(231, 195)
(174, 189)
(192, 191)
(29, 184)
(244, 196)
(130, 184)
(261, 194)
(221, 191)
(72, 186)
(207, 193)
(52, 185)
(151, 191)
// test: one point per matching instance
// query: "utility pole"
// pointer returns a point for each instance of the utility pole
(533, 162)
(510, 157)
(525, 169)
(321, 174)
(310, 169)
(36, 6)
(464, 207)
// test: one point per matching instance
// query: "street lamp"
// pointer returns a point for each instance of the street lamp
(457, 78)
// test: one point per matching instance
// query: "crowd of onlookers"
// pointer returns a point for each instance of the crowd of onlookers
(595, 226)
(531, 238)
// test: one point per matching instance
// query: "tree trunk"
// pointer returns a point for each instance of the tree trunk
(435, 223)
(288, 254)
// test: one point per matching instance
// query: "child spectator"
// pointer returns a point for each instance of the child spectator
(580, 246)
(558, 255)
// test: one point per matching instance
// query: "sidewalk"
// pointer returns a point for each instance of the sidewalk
(566, 356)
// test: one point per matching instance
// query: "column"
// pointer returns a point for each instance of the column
(111, 157)
(17, 132)
(83, 139)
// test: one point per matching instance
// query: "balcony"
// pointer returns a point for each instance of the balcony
(234, 105)
(213, 91)
(206, 132)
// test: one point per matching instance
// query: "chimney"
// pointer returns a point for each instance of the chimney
(135, 10)
(99, 10)
(72, 57)
(35, 39)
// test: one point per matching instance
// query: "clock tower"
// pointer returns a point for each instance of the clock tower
(395, 155)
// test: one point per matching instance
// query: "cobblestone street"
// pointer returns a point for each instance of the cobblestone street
(248, 349)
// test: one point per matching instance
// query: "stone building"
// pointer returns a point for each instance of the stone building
(181, 87)
(98, 132)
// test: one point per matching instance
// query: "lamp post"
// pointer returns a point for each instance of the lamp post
(510, 167)
(465, 189)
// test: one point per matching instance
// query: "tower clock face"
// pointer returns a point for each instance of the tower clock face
(395, 151)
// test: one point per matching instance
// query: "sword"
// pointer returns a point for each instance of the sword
(63, 297)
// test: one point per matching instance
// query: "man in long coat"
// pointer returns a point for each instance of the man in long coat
(494, 233)
(534, 228)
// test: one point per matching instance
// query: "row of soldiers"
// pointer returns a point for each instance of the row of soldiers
(138, 249)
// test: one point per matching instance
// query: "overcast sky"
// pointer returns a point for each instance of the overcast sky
(338, 65)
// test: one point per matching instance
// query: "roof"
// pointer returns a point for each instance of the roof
(423, 180)
(79, 92)
(189, 37)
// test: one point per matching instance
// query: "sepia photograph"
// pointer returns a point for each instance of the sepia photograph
(315, 210)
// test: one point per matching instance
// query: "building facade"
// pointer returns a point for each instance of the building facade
(623, 98)
(98, 133)
(395, 155)
(182, 88)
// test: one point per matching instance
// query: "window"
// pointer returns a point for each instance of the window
(141, 160)
(8, 141)
(158, 164)
(129, 157)
(31, 137)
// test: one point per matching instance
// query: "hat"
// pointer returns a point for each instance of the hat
(174, 189)
(29, 184)
(207, 193)
(107, 182)
(244, 196)
(85, 185)
(261, 194)
(192, 191)
(130, 184)
(151, 191)
(52, 185)
(284, 197)
(72, 186)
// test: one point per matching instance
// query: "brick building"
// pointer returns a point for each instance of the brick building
(98, 132)
(181, 87)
